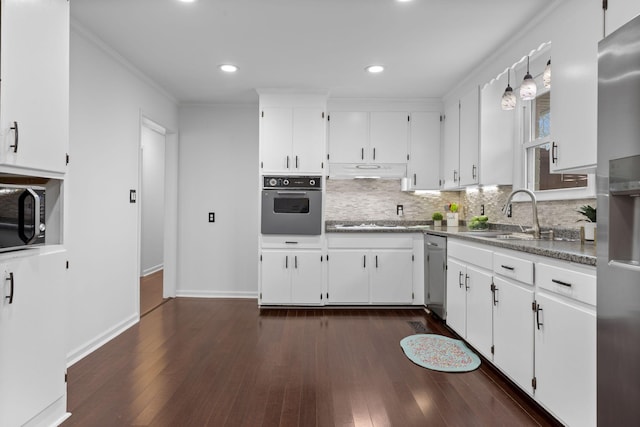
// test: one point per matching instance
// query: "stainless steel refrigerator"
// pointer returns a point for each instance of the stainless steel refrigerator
(618, 235)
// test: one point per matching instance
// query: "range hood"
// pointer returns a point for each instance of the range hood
(367, 170)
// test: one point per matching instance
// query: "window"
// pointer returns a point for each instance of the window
(537, 139)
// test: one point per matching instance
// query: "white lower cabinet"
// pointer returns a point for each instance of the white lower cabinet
(469, 295)
(348, 277)
(32, 351)
(371, 269)
(540, 333)
(565, 345)
(513, 331)
(291, 277)
(370, 276)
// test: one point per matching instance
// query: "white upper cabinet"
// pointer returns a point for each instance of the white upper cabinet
(292, 139)
(461, 141)
(34, 97)
(389, 137)
(619, 12)
(496, 136)
(424, 155)
(348, 136)
(451, 146)
(469, 137)
(574, 87)
(363, 137)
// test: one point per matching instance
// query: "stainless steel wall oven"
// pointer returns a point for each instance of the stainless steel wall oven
(291, 205)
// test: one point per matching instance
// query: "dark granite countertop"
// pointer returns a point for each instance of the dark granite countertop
(568, 249)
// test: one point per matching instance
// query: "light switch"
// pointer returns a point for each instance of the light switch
(132, 196)
(212, 217)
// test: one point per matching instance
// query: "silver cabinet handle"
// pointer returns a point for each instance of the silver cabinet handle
(287, 162)
(14, 128)
(374, 154)
(362, 153)
(466, 281)
(295, 260)
(538, 322)
(559, 282)
(376, 261)
(455, 176)
(460, 279)
(473, 171)
(286, 261)
(296, 162)
(364, 261)
(10, 280)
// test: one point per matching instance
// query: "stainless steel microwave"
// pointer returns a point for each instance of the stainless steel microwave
(22, 216)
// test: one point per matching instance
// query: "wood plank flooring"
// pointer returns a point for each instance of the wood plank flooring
(151, 292)
(203, 362)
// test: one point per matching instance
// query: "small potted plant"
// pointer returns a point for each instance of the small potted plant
(589, 212)
(452, 215)
(437, 219)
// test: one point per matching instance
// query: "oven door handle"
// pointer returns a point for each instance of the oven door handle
(292, 193)
(22, 214)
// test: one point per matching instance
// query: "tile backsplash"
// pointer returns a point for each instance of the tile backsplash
(376, 199)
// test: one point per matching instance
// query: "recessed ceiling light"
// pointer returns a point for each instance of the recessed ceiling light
(228, 68)
(187, 1)
(404, 1)
(375, 69)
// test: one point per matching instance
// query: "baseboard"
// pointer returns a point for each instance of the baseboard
(101, 340)
(149, 271)
(53, 415)
(216, 294)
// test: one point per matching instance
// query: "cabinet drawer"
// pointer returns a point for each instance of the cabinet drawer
(290, 242)
(573, 284)
(371, 241)
(514, 268)
(470, 254)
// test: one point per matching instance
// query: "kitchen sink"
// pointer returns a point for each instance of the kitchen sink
(500, 235)
(370, 227)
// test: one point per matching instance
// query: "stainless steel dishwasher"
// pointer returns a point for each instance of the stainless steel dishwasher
(435, 274)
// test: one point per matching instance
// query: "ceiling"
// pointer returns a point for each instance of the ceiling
(426, 46)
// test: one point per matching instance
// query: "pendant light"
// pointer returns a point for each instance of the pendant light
(528, 87)
(546, 76)
(508, 98)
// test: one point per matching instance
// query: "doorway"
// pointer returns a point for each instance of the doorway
(152, 207)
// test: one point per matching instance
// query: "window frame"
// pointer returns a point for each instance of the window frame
(525, 141)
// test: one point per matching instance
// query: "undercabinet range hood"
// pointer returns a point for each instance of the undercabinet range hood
(367, 170)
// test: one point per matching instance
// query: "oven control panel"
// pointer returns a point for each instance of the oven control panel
(307, 182)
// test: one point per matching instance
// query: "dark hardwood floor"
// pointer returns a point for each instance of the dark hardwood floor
(151, 292)
(211, 362)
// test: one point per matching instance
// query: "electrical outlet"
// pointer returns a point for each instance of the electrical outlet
(212, 217)
(509, 211)
(399, 210)
(481, 209)
(132, 196)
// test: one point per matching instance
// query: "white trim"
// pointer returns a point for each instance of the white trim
(53, 415)
(149, 271)
(216, 294)
(150, 124)
(92, 345)
(88, 35)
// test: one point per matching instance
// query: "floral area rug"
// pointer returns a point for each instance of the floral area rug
(439, 353)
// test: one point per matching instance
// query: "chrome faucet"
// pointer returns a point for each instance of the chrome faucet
(534, 207)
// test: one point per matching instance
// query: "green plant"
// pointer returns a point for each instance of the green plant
(589, 212)
(453, 207)
(437, 216)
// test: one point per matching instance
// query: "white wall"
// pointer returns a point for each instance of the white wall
(107, 99)
(152, 201)
(218, 172)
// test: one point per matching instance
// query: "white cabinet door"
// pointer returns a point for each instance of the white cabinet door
(424, 160)
(306, 284)
(35, 84)
(276, 273)
(276, 133)
(348, 277)
(348, 137)
(32, 351)
(619, 12)
(574, 88)
(479, 310)
(469, 137)
(497, 136)
(391, 277)
(389, 137)
(451, 148)
(513, 331)
(456, 297)
(565, 360)
(308, 140)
